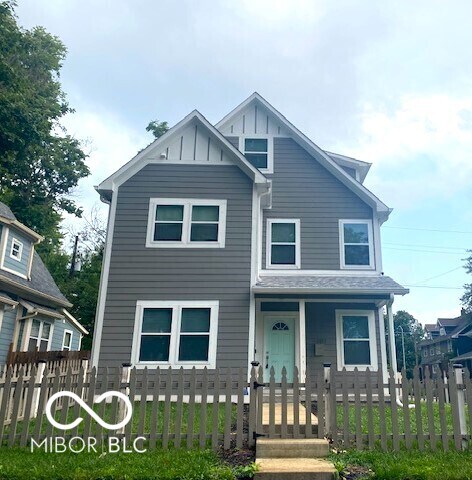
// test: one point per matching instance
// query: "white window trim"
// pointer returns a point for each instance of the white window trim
(175, 333)
(64, 347)
(343, 265)
(270, 149)
(187, 203)
(27, 333)
(20, 249)
(270, 222)
(370, 314)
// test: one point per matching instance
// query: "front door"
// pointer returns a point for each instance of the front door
(279, 346)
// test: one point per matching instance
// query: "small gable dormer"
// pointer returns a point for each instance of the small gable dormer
(16, 244)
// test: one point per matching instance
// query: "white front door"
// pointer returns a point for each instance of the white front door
(279, 346)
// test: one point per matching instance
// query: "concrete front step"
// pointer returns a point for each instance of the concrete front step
(291, 448)
(295, 469)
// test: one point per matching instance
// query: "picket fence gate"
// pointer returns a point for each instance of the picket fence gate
(221, 408)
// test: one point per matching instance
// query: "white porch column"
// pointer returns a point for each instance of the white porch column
(302, 339)
(391, 336)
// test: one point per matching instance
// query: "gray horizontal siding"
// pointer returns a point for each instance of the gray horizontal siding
(140, 273)
(6, 332)
(320, 328)
(304, 189)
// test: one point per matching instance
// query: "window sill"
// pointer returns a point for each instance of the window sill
(185, 245)
(174, 366)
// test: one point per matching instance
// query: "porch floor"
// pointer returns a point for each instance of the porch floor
(290, 415)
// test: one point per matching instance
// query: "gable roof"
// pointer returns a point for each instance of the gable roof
(8, 217)
(145, 156)
(41, 283)
(318, 153)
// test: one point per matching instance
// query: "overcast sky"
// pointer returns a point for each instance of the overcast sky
(386, 82)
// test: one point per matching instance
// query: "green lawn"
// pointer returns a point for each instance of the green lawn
(404, 465)
(447, 419)
(109, 415)
(16, 463)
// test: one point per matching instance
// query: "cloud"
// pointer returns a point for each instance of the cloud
(422, 149)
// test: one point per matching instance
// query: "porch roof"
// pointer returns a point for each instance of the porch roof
(339, 284)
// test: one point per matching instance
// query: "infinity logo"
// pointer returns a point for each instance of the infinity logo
(100, 421)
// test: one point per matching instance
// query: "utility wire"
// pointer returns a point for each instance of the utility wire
(424, 251)
(440, 275)
(430, 230)
(437, 287)
(425, 246)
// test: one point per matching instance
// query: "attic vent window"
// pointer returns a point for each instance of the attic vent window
(16, 250)
(256, 151)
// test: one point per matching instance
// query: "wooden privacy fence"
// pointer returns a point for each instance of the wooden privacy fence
(201, 408)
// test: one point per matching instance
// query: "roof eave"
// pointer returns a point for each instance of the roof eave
(24, 229)
(337, 291)
(75, 322)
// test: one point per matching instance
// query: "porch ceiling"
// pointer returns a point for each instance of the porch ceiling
(330, 284)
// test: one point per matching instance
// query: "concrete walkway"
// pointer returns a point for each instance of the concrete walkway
(290, 415)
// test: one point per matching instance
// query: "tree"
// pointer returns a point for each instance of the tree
(466, 299)
(81, 286)
(412, 334)
(157, 128)
(40, 163)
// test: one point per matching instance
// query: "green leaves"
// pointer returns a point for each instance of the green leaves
(40, 163)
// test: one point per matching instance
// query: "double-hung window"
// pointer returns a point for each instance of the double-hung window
(189, 223)
(39, 336)
(356, 244)
(258, 151)
(283, 243)
(176, 333)
(356, 341)
(16, 250)
(67, 340)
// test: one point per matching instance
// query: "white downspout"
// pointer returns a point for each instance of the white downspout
(393, 351)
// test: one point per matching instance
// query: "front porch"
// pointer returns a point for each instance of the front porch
(308, 331)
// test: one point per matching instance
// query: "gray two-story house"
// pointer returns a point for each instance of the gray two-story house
(239, 242)
(34, 313)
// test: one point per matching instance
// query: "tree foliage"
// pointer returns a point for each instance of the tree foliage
(157, 128)
(466, 299)
(412, 334)
(81, 287)
(40, 163)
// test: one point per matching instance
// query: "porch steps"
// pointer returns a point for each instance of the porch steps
(293, 459)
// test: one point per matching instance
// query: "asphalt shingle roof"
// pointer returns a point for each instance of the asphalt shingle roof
(41, 280)
(328, 283)
(6, 212)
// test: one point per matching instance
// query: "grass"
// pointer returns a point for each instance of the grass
(404, 465)
(109, 411)
(17, 463)
(401, 419)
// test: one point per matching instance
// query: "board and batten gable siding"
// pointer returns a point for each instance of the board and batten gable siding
(58, 334)
(140, 273)
(13, 264)
(302, 188)
(6, 331)
(320, 330)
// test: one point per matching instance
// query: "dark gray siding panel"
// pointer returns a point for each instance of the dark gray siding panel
(304, 189)
(140, 273)
(320, 328)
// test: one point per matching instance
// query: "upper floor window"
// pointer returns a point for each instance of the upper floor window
(283, 243)
(191, 223)
(355, 331)
(176, 333)
(258, 151)
(16, 251)
(449, 346)
(356, 244)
